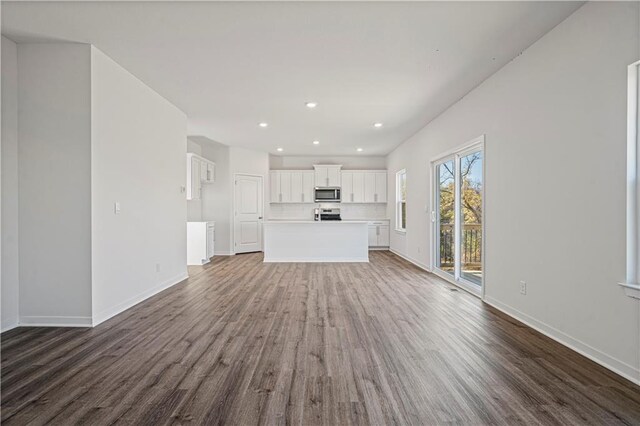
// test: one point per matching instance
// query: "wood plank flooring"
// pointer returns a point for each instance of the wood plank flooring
(243, 343)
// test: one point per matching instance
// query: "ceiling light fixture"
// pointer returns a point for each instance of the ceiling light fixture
(377, 125)
(311, 104)
(316, 142)
(279, 149)
(263, 124)
(359, 149)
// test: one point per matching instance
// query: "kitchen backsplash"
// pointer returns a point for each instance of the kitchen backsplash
(347, 211)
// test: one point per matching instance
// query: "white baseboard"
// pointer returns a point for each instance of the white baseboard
(10, 326)
(621, 368)
(378, 248)
(223, 253)
(123, 306)
(38, 321)
(409, 259)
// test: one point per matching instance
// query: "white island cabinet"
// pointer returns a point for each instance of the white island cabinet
(310, 241)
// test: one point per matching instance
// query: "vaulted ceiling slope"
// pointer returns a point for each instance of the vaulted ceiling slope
(231, 65)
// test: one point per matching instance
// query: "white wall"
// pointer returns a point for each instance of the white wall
(217, 196)
(250, 162)
(9, 169)
(138, 159)
(355, 162)
(555, 125)
(54, 127)
(194, 207)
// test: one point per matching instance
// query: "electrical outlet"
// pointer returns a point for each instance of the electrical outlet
(418, 249)
(157, 267)
(523, 287)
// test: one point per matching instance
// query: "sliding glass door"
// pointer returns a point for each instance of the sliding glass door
(458, 216)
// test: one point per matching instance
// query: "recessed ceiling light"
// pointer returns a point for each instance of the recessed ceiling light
(279, 149)
(311, 104)
(263, 124)
(316, 142)
(359, 149)
(377, 125)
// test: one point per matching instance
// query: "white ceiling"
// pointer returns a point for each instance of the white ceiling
(229, 66)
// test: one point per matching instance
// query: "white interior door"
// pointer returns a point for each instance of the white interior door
(248, 213)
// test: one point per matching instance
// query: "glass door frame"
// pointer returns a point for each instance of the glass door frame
(456, 155)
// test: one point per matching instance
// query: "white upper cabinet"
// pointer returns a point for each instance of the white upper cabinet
(327, 175)
(291, 186)
(296, 187)
(285, 187)
(363, 186)
(308, 185)
(381, 187)
(199, 171)
(369, 187)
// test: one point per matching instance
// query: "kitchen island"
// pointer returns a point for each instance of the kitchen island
(316, 241)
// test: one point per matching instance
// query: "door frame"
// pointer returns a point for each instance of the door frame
(233, 211)
(455, 154)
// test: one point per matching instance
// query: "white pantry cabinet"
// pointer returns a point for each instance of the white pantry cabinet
(201, 237)
(327, 175)
(364, 186)
(379, 233)
(291, 186)
(199, 171)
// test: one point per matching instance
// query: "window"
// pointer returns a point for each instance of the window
(632, 282)
(401, 200)
(457, 215)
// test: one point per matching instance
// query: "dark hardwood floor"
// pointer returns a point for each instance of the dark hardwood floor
(242, 342)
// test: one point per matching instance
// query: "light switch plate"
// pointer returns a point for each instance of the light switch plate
(116, 207)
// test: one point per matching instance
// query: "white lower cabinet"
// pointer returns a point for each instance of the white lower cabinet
(201, 237)
(379, 233)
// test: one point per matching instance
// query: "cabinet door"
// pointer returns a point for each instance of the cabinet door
(274, 187)
(373, 235)
(358, 187)
(296, 187)
(347, 187)
(333, 175)
(196, 184)
(369, 187)
(383, 235)
(203, 171)
(321, 176)
(285, 186)
(210, 241)
(307, 187)
(211, 172)
(381, 187)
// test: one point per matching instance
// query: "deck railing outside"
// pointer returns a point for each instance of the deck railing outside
(470, 248)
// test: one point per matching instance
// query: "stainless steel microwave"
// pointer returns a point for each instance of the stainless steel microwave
(327, 194)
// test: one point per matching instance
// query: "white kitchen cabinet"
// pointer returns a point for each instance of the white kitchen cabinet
(363, 186)
(280, 186)
(308, 185)
(199, 171)
(347, 187)
(381, 187)
(327, 175)
(375, 186)
(369, 187)
(200, 242)
(285, 187)
(291, 186)
(379, 234)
